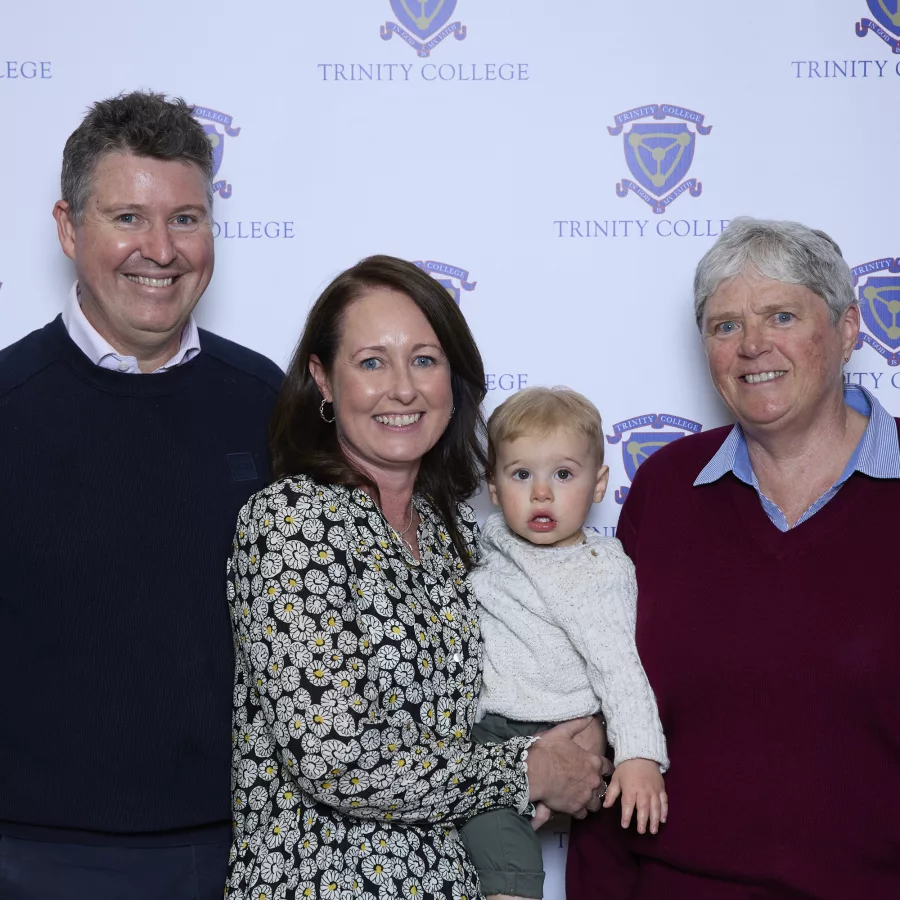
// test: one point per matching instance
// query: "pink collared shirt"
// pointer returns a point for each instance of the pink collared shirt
(102, 354)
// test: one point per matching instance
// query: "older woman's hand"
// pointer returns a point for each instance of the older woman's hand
(561, 774)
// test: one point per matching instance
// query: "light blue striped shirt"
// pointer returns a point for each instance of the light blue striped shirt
(877, 454)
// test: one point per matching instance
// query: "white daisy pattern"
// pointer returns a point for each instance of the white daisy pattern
(356, 673)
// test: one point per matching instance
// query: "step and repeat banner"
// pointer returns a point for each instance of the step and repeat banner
(559, 166)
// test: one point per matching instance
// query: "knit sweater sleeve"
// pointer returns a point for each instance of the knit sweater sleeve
(605, 639)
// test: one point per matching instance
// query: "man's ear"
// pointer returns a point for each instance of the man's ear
(602, 483)
(65, 228)
(317, 370)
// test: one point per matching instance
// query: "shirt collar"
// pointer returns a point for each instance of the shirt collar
(877, 454)
(101, 353)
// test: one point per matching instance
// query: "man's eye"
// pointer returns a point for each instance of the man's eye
(128, 218)
(521, 475)
(564, 474)
(185, 220)
(783, 318)
(726, 327)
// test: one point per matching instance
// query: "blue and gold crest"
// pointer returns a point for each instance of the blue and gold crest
(454, 279)
(887, 16)
(659, 153)
(879, 306)
(640, 445)
(217, 141)
(423, 24)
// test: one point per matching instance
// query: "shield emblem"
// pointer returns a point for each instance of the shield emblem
(643, 444)
(423, 17)
(879, 303)
(888, 14)
(659, 155)
(217, 142)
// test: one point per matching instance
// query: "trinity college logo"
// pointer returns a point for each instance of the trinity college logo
(453, 278)
(217, 141)
(423, 24)
(879, 305)
(887, 14)
(659, 153)
(642, 444)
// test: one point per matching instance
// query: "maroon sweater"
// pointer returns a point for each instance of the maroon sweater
(775, 658)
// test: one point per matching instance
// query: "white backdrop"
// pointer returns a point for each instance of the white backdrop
(497, 153)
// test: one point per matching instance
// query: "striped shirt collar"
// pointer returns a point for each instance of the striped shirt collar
(101, 353)
(877, 454)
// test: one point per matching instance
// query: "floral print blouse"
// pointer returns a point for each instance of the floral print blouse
(357, 670)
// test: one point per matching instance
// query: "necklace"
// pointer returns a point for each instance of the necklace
(402, 534)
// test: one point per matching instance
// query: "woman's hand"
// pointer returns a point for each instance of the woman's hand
(641, 785)
(561, 774)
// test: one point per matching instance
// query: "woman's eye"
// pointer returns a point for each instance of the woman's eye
(371, 363)
(783, 318)
(726, 327)
(564, 474)
(520, 475)
(423, 361)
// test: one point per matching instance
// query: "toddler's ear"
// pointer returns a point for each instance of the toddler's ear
(492, 490)
(602, 482)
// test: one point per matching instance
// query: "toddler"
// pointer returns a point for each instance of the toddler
(558, 611)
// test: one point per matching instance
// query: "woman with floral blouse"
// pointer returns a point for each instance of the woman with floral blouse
(358, 650)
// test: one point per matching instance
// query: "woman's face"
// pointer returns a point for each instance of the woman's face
(773, 354)
(390, 384)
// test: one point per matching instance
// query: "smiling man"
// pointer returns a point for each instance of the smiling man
(130, 439)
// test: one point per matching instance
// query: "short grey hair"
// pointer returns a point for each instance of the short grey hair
(783, 251)
(142, 123)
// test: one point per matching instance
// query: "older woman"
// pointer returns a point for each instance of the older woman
(356, 635)
(768, 621)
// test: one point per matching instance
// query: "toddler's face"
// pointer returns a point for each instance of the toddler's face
(545, 485)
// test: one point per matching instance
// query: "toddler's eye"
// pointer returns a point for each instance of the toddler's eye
(521, 475)
(564, 474)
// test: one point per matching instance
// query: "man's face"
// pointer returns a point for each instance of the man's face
(143, 250)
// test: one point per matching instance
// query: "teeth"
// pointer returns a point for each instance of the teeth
(150, 282)
(542, 519)
(398, 421)
(763, 376)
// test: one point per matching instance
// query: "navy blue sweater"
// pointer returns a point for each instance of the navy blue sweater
(118, 501)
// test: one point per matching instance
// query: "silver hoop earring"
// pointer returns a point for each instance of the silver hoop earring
(322, 412)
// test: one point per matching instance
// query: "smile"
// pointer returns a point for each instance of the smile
(398, 421)
(759, 377)
(150, 282)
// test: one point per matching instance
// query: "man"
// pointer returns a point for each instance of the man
(129, 440)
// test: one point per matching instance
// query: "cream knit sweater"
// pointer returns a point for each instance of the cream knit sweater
(558, 626)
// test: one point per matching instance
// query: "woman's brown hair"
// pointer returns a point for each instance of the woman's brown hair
(303, 443)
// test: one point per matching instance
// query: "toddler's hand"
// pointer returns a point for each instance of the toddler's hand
(641, 786)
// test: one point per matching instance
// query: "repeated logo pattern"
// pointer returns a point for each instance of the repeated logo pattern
(659, 153)
(217, 141)
(423, 24)
(886, 24)
(878, 282)
(453, 278)
(356, 677)
(640, 445)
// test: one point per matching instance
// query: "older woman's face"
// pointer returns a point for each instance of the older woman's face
(390, 384)
(773, 354)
